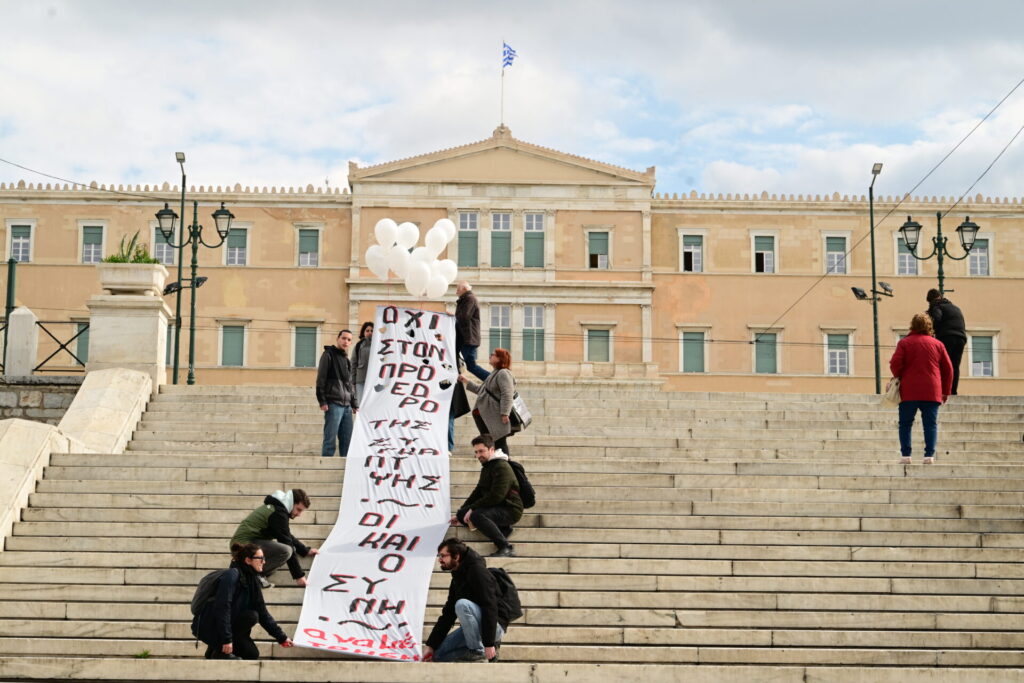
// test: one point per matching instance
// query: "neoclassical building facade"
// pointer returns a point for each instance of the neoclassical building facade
(581, 268)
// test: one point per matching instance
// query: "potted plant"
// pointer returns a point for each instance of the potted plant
(131, 270)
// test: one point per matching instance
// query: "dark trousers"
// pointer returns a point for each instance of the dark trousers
(241, 638)
(495, 523)
(501, 443)
(955, 349)
(468, 354)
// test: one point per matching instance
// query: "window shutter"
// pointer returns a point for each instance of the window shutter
(232, 345)
(598, 348)
(305, 347)
(981, 349)
(468, 248)
(764, 244)
(693, 352)
(533, 250)
(598, 243)
(236, 239)
(766, 353)
(501, 249)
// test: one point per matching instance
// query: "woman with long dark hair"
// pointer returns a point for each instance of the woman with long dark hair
(361, 357)
(494, 399)
(225, 622)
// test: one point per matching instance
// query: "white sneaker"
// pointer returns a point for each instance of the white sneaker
(905, 460)
(929, 461)
(263, 582)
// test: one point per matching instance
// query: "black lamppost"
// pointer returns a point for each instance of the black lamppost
(167, 219)
(967, 231)
(875, 170)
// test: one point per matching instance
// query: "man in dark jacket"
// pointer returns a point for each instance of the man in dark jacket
(467, 328)
(473, 600)
(336, 394)
(494, 505)
(950, 329)
(268, 526)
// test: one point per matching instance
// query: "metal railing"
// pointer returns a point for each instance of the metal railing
(79, 364)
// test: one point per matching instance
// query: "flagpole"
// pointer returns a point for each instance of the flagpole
(501, 115)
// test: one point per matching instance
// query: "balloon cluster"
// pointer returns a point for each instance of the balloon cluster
(420, 269)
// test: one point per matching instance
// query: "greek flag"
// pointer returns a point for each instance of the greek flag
(507, 55)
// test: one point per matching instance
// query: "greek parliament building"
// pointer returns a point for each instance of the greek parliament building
(582, 270)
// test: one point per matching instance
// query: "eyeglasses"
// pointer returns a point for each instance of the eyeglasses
(261, 558)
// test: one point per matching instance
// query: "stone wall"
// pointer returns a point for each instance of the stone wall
(37, 398)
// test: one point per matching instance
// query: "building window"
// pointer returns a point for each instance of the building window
(309, 248)
(468, 238)
(501, 327)
(232, 345)
(21, 243)
(599, 346)
(693, 351)
(838, 354)
(981, 356)
(305, 346)
(92, 243)
(162, 250)
(978, 258)
(237, 243)
(766, 353)
(906, 264)
(533, 240)
(835, 255)
(533, 333)
(82, 343)
(693, 254)
(501, 240)
(764, 254)
(597, 250)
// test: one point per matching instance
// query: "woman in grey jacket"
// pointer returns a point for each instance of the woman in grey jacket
(494, 399)
(361, 357)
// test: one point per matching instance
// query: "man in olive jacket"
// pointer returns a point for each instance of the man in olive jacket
(269, 527)
(494, 505)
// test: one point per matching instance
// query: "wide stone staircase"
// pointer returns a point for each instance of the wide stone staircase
(703, 537)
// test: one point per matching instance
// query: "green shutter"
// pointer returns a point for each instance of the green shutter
(598, 243)
(533, 250)
(764, 346)
(232, 345)
(981, 349)
(693, 352)
(902, 246)
(21, 231)
(764, 244)
(693, 241)
(92, 234)
(467, 249)
(501, 249)
(305, 347)
(500, 338)
(308, 241)
(236, 240)
(838, 342)
(598, 346)
(980, 244)
(82, 343)
(835, 244)
(533, 344)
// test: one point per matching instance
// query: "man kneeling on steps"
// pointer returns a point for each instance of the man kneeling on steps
(268, 527)
(494, 505)
(472, 599)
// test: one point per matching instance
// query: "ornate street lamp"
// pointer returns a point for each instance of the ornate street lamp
(967, 232)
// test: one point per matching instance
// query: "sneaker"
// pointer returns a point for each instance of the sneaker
(264, 584)
(472, 656)
(507, 551)
(905, 460)
(929, 461)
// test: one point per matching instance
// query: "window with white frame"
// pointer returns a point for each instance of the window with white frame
(693, 350)
(501, 327)
(835, 254)
(533, 240)
(21, 242)
(162, 250)
(501, 240)
(764, 253)
(977, 259)
(533, 333)
(982, 364)
(598, 249)
(837, 354)
(237, 247)
(599, 345)
(305, 346)
(692, 258)
(469, 237)
(232, 352)
(766, 353)
(92, 243)
(906, 263)
(309, 247)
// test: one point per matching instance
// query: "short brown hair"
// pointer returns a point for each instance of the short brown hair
(484, 439)
(299, 496)
(243, 551)
(922, 323)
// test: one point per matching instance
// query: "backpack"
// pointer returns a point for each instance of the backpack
(206, 590)
(507, 593)
(526, 492)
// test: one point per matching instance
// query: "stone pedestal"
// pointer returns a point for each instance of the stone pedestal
(22, 343)
(127, 331)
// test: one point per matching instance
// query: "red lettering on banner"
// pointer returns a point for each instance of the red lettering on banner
(368, 517)
(371, 585)
(339, 580)
(393, 566)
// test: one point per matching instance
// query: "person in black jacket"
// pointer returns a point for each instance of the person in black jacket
(336, 394)
(950, 329)
(473, 600)
(225, 622)
(269, 527)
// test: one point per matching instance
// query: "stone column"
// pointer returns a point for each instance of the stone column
(483, 226)
(648, 271)
(356, 243)
(647, 329)
(518, 238)
(129, 331)
(22, 343)
(550, 252)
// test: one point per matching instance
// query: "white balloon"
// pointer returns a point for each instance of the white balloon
(437, 287)
(377, 261)
(436, 240)
(448, 269)
(408, 235)
(448, 226)
(423, 255)
(386, 230)
(416, 278)
(398, 260)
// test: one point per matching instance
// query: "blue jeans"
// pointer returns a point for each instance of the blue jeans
(930, 420)
(337, 425)
(468, 354)
(451, 430)
(467, 636)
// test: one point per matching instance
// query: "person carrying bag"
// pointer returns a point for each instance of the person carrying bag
(494, 399)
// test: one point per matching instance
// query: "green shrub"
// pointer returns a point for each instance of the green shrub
(131, 252)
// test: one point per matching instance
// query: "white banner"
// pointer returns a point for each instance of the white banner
(367, 589)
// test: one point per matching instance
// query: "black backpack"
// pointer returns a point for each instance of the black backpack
(507, 593)
(206, 590)
(526, 492)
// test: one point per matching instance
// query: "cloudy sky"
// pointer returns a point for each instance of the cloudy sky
(742, 96)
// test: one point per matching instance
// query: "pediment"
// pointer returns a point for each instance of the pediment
(501, 159)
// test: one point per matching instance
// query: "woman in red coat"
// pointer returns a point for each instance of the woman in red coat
(926, 379)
